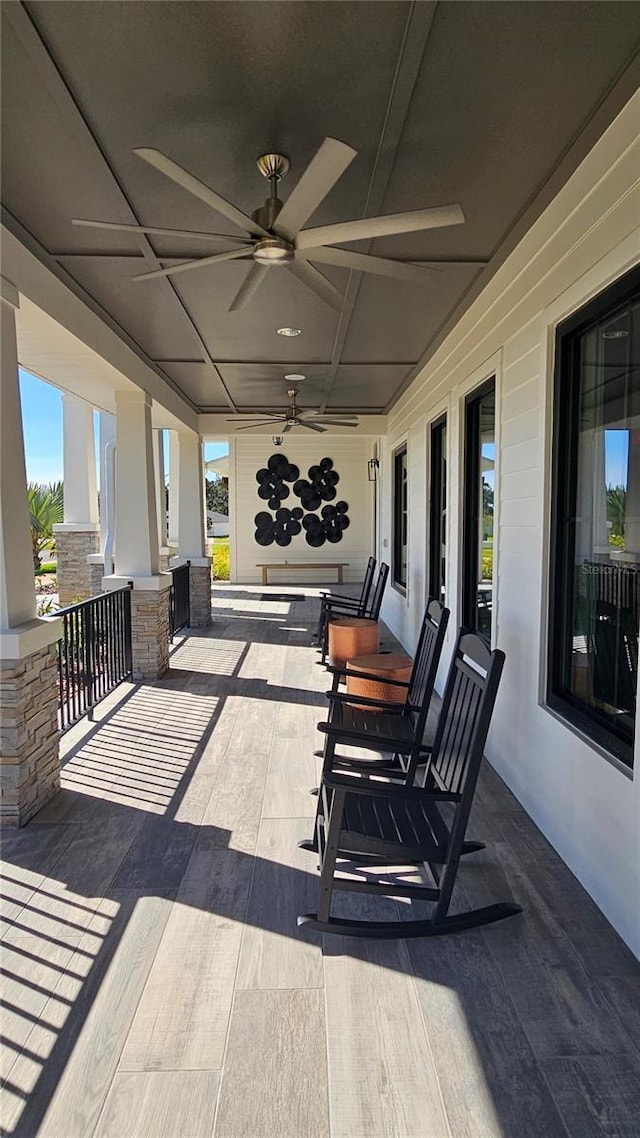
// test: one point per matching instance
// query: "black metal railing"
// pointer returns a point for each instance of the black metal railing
(94, 652)
(179, 599)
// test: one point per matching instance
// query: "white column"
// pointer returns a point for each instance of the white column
(107, 440)
(77, 537)
(174, 487)
(17, 587)
(79, 463)
(29, 755)
(161, 494)
(191, 527)
(136, 553)
(191, 531)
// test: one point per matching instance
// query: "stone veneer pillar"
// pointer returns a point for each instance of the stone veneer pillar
(29, 736)
(199, 589)
(74, 544)
(136, 537)
(78, 536)
(95, 563)
(29, 755)
(150, 630)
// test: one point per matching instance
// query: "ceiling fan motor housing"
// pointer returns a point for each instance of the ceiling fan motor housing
(273, 251)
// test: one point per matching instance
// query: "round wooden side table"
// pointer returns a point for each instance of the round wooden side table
(387, 665)
(352, 636)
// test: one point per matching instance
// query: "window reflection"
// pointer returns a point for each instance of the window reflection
(596, 640)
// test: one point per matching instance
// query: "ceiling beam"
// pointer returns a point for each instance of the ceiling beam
(414, 42)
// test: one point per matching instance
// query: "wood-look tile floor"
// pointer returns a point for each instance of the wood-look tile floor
(156, 986)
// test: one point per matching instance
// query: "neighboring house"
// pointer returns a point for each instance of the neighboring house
(217, 524)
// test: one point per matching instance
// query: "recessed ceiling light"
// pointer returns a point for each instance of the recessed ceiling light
(289, 331)
(294, 378)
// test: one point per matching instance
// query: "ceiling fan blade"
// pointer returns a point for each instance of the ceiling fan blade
(367, 264)
(310, 426)
(255, 423)
(266, 415)
(323, 171)
(380, 226)
(249, 286)
(194, 186)
(197, 235)
(287, 427)
(199, 263)
(335, 422)
(317, 282)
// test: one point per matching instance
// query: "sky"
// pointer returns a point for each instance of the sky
(42, 428)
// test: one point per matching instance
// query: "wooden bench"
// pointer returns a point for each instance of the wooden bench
(339, 565)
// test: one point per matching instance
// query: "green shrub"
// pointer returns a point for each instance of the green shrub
(46, 606)
(487, 564)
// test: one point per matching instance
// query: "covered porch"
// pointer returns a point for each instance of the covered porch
(156, 983)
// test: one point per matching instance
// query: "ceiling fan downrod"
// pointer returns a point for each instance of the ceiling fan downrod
(274, 167)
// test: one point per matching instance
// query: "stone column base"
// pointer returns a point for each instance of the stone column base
(166, 553)
(149, 623)
(96, 573)
(200, 593)
(73, 545)
(29, 734)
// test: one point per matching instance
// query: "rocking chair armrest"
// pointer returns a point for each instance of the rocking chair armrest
(358, 675)
(386, 789)
(338, 596)
(362, 739)
(368, 701)
(340, 605)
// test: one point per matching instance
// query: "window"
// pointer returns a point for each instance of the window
(400, 518)
(479, 474)
(438, 510)
(595, 582)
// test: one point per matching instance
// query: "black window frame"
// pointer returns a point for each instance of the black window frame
(564, 487)
(437, 507)
(400, 525)
(472, 468)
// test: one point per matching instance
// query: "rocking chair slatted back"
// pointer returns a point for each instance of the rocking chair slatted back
(459, 737)
(426, 661)
(373, 612)
(367, 583)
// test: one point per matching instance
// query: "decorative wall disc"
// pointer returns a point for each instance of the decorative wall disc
(285, 524)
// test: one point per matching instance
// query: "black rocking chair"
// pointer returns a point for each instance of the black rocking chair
(368, 822)
(394, 732)
(338, 604)
(371, 610)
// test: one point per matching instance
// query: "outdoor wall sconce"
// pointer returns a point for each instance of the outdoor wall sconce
(372, 469)
(276, 440)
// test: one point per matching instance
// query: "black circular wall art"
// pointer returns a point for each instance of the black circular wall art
(285, 524)
(272, 480)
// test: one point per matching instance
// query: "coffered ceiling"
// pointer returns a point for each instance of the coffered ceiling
(491, 105)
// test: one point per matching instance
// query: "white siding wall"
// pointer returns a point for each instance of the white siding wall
(350, 455)
(587, 238)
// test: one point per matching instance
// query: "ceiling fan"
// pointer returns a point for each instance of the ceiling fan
(294, 416)
(273, 235)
